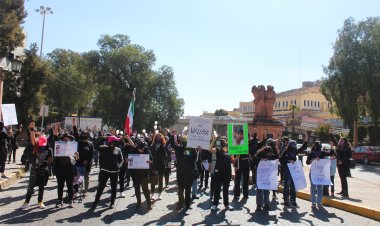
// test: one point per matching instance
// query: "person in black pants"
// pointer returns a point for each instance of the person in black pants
(110, 161)
(242, 166)
(140, 177)
(4, 140)
(344, 153)
(186, 160)
(222, 172)
(204, 173)
(64, 168)
(159, 156)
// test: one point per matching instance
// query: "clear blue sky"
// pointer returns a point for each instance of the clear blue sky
(218, 49)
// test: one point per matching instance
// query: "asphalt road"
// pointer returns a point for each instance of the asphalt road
(163, 213)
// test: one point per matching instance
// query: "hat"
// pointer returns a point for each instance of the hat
(292, 143)
(42, 141)
(112, 139)
(71, 137)
(269, 141)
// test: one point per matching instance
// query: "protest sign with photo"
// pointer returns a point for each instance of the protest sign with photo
(320, 172)
(298, 176)
(65, 148)
(237, 138)
(138, 161)
(199, 133)
(267, 175)
(9, 114)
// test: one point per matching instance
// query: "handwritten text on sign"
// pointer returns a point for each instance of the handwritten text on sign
(298, 176)
(199, 132)
(320, 172)
(267, 175)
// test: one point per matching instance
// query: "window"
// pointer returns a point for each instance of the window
(315, 103)
(311, 103)
(283, 103)
(295, 102)
(286, 103)
(304, 103)
(275, 105)
(291, 102)
(318, 105)
(308, 103)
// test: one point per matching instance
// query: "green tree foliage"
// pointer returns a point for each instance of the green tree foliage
(220, 112)
(120, 67)
(12, 15)
(323, 131)
(353, 73)
(70, 86)
(26, 89)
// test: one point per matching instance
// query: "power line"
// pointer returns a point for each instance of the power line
(68, 84)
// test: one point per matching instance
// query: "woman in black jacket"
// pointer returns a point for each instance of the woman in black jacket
(344, 153)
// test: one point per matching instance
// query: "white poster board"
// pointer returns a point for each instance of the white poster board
(298, 176)
(44, 110)
(65, 148)
(9, 114)
(85, 122)
(320, 172)
(267, 175)
(138, 161)
(199, 133)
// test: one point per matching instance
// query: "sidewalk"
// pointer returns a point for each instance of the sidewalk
(364, 195)
(13, 171)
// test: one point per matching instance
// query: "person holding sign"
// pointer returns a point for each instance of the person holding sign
(186, 160)
(110, 161)
(222, 172)
(316, 191)
(262, 196)
(140, 175)
(289, 155)
(4, 140)
(64, 168)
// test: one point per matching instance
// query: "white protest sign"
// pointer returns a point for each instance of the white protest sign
(298, 176)
(65, 148)
(138, 161)
(267, 175)
(199, 133)
(85, 122)
(320, 172)
(44, 110)
(9, 114)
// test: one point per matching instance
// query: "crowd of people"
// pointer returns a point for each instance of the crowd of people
(196, 168)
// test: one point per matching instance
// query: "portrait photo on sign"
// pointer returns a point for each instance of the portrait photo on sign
(238, 134)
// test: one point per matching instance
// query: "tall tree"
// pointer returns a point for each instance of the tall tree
(293, 108)
(220, 112)
(353, 73)
(12, 15)
(122, 66)
(26, 89)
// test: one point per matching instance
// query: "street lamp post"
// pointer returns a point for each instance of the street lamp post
(43, 11)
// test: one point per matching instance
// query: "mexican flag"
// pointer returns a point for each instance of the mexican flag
(129, 120)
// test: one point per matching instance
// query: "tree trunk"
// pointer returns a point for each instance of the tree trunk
(355, 143)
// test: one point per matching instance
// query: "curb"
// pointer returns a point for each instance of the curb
(15, 176)
(339, 204)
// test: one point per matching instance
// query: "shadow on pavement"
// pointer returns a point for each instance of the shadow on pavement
(323, 215)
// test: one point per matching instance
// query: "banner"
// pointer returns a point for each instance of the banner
(298, 176)
(267, 175)
(85, 123)
(138, 161)
(65, 148)
(9, 114)
(199, 133)
(237, 138)
(320, 172)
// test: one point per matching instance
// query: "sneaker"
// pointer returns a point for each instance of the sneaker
(194, 197)
(213, 208)
(320, 205)
(149, 207)
(159, 196)
(295, 204)
(152, 197)
(24, 206)
(122, 195)
(286, 204)
(71, 205)
(41, 205)
(258, 208)
(266, 207)
(59, 204)
(228, 207)
(313, 205)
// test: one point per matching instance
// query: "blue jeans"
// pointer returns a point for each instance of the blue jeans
(316, 192)
(80, 170)
(289, 187)
(262, 197)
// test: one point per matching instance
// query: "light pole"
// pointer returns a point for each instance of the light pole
(43, 11)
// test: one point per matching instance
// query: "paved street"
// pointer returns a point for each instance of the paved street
(163, 212)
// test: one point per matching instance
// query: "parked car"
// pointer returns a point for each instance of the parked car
(366, 154)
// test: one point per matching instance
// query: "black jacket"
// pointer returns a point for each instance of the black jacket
(110, 159)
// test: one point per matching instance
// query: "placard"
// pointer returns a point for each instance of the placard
(138, 161)
(298, 176)
(9, 114)
(320, 172)
(267, 175)
(65, 148)
(199, 133)
(237, 138)
(85, 122)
